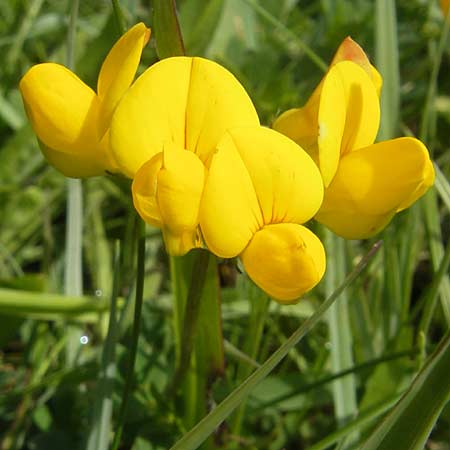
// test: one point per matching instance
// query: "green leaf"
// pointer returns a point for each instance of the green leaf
(410, 422)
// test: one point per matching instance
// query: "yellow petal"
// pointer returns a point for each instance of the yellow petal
(285, 260)
(286, 180)
(216, 103)
(63, 112)
(77, 164)
(331, 125)
(187, 101)
(301, 125)
(144, 191)
(377, 79)
(373, 183)
(118, 71)
(150, 113)
(362, 114)
(179, 191)
(229, 212)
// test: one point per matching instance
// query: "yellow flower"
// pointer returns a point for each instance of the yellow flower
(70, 120)
(163, 135)
(206, 172)
(260, 188)
(366, 183)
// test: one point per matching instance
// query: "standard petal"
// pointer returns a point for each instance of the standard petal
(144, 191)
(152, 112)
(362, 107)
(63, 112)
(188, 101)
(330, 126)
(216, 103)
(285, 260)
(118, 71)
(286, 180)
(179, 191)
(373, 183)
(229, 212)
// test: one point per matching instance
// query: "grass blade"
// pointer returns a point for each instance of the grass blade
(102, 413)
(387, 62)
(341, 351)
(443, 186)
(410, 422)
(356, 425)
(207, 425)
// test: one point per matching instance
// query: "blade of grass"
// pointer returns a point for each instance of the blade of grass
(311, 54)
(443, 186)
(387, 61)
(358, 424)
(100, 432)
(207, 425)
(20, 303)
(327, 379)
(429, 203)
(139, 294)
(432, 293)
(259, 306)
(433, 226)
(31, 13)
(341, 344)
(397, 277)
(410, 422)
(73, 281)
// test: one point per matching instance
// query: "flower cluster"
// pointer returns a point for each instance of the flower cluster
(209, 175)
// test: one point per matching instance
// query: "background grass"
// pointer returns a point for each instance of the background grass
(390, 320)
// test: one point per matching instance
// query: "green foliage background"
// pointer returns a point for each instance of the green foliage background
(388, 321)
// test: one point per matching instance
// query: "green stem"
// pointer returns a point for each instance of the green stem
(129, 377)
(191, 316)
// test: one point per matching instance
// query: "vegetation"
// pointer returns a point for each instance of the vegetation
(332, 381)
